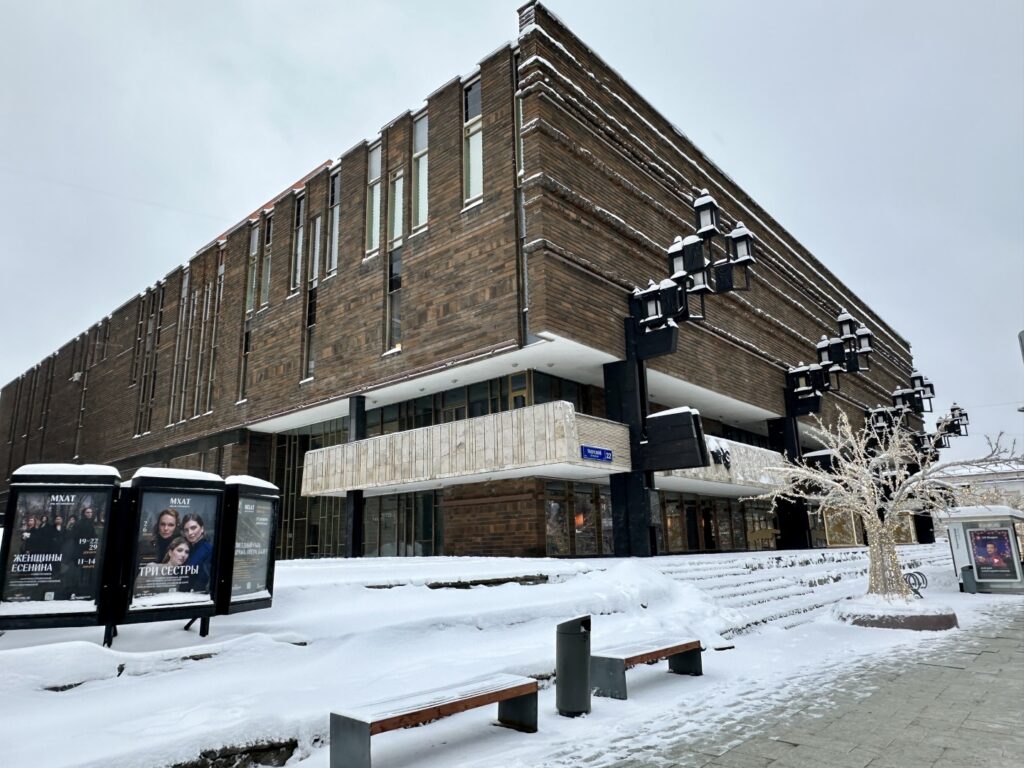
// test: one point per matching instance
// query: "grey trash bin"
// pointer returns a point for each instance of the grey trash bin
(970, 583)
(572, 667)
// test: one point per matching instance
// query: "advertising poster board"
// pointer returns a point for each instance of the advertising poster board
(993, 554)
(175, 548)
(253, 552)
(56, 546)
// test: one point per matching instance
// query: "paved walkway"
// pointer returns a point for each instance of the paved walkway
(956, 707)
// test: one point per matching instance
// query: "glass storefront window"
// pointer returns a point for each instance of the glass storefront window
(692, 524)
(707, 518)
(371, 527)
(723, 520)
(585, 518)
(478, 399)
(388, 526)
(675, 537)
(607, 522)
(556, 519)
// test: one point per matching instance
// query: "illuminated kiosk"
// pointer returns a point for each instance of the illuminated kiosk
(985, 538)
(57, 526)
(245, 580)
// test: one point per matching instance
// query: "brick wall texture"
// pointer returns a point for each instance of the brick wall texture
(606, 184)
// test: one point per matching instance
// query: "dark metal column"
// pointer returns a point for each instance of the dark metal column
(354, 503)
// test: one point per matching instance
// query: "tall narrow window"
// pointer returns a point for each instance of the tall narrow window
(309, 341)
(268, 233)
(299, 242)
(254, 250)
(334, 233)
(394, 318)
(419, 173)
(201, 361)
(187, 353)
(314, 251)
(211, 368)
(396, 196)
(472, 144)
(154, 307)
(243, 373)
(177, 381)
(373, 201)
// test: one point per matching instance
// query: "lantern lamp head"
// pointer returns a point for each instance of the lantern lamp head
(847, 325)
(864, 338)
(742, 244)
(822, 349)
(706, 211)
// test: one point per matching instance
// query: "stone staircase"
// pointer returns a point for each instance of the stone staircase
(786, 589)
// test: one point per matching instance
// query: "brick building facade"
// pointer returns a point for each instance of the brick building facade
(474, 258)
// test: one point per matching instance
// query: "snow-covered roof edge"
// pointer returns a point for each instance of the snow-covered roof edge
(979, 512)
(249, 480)
(91, 470)
(168, 473)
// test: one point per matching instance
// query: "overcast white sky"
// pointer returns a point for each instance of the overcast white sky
(888, 137)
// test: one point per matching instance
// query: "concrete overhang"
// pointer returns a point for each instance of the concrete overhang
(548, 353)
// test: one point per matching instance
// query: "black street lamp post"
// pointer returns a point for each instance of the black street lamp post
(674, 440)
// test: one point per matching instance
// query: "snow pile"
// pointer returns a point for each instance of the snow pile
(345, 632)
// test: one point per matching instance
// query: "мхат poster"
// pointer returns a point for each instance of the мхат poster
(56, 543)
(175, 543)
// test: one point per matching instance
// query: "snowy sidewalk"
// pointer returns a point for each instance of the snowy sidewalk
(960, 704)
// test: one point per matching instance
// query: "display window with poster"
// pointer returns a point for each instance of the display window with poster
(247, 553)
(993, 554)
(57, 522)
(175, 547)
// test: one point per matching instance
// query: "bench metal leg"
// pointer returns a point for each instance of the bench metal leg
(608, 677)
(687, 663)
(519, 713)
(350, 743)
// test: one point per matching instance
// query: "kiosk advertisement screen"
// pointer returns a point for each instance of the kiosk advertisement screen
(175, 548)
(252, 546)
(993, 555)
(56, 542)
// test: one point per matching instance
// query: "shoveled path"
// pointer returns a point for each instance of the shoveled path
(960, 705)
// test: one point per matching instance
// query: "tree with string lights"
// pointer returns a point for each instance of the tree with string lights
(882, 475)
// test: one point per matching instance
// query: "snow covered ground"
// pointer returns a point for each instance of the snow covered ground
(163, 696)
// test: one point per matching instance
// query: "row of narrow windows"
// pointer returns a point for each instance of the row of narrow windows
(315, 246)
(310, 234)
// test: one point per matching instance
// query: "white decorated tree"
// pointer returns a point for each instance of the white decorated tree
(879, 477)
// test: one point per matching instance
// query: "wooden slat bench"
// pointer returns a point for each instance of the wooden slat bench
(608, 666)
(351, 729)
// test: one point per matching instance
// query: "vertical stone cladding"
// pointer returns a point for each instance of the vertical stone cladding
(500, 518)
(609, 183)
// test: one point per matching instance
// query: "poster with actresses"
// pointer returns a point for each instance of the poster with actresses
(56, 543)
(175, 544)
(993, 555)
(252, 546)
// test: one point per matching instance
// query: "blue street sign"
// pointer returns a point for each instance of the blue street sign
(595, 454)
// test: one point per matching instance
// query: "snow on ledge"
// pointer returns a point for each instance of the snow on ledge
(92, 470)
(981, 512)
(167, 473)
(880, 605)
(249, 480)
